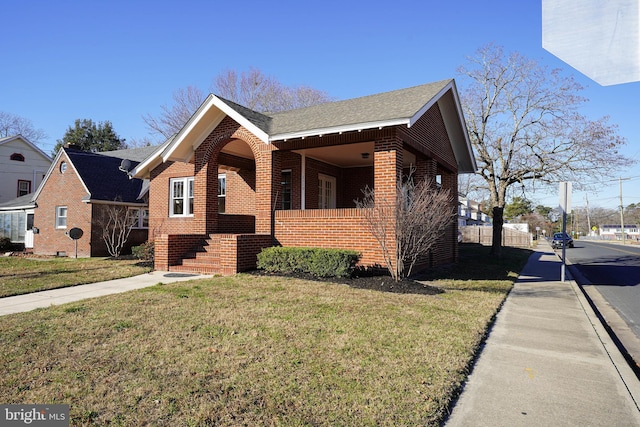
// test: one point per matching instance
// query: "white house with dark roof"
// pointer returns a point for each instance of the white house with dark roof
(22, 167)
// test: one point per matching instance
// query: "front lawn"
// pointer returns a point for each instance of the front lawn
(20, 275)
(255, 350)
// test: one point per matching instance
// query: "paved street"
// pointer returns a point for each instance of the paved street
(613, 270)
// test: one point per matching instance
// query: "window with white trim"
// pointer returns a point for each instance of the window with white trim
(141, 216)
(24, 187)
(61, 217)
(326, 192)
(181, 196)
(222, 192)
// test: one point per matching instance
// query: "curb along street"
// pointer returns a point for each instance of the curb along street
(626, 340)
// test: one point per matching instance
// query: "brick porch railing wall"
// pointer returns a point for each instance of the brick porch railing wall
(238, 252)
(328, 228)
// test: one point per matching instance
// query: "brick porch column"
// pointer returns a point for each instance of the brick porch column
(387, 165)
(205, 190)
(267, 184)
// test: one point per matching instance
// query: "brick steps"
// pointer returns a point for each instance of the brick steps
(194, 270)
(205, 259)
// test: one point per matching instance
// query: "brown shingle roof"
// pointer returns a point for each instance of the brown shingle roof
(381, 107)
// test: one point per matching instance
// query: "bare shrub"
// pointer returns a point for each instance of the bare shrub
(408, 229)
(116, 223)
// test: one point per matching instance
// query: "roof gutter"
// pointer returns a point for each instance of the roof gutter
(113, 202)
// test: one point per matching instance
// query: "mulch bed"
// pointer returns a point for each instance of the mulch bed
(381, 283)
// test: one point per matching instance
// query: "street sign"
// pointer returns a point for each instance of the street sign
(565, 197)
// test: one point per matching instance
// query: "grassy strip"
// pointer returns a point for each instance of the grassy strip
(253, 350)
(24, 275)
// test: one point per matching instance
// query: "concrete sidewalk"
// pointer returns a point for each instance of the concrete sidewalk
(548, 361)
(28, 302)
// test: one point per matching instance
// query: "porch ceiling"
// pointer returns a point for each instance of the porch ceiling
(349, 155)
(238, 148)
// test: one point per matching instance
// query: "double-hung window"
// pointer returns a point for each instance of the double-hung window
(61, 217)
(181, 196)
(24, 187)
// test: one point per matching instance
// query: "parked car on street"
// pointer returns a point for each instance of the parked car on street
(559, 238)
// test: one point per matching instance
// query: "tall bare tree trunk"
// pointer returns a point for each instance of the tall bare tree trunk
(498, 220)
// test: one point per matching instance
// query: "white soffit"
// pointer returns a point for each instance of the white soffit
(601, 39)
(338, 129)
(202, 123)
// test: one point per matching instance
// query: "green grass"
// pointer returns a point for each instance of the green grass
(256, 350)
(20, 275)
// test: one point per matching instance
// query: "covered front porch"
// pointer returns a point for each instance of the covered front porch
(293, 178)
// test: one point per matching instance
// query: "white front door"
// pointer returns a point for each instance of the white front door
(326, 192)
(28, 234)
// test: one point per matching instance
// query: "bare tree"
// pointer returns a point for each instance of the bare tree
(116, 223)
(170, 121)
(259, 92)
(252, 89)
(407, 230)
(11, 125)
(524, 125)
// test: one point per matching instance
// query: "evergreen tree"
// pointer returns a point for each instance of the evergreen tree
(89, 136)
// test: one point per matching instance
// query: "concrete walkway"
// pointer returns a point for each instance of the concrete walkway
(548, 361)
(42, 299)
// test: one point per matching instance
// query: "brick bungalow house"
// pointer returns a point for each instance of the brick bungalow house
(234, 181)
(76, 190)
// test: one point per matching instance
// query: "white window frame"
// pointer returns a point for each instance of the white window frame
(326, 191)
(222, 192)
(186, 197)
(27, 190)
(60, 217)
(140, 214)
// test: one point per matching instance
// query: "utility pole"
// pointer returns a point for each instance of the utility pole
(622, 211)
(565, 206)
(586, 196)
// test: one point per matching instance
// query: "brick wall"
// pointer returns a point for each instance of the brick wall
(327, 228)
(170, 248)
(241, 193)
(238, 252)
(159, 220)
(429, 136)
(353, 181)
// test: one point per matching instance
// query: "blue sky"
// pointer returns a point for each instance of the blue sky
(119, 60)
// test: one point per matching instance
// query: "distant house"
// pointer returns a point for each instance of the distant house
(614, 232)
(22, 167)
(234, 181)
(470, 213)
(78, 188)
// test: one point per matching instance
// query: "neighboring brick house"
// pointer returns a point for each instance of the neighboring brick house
(234, 181)
(77, 189)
